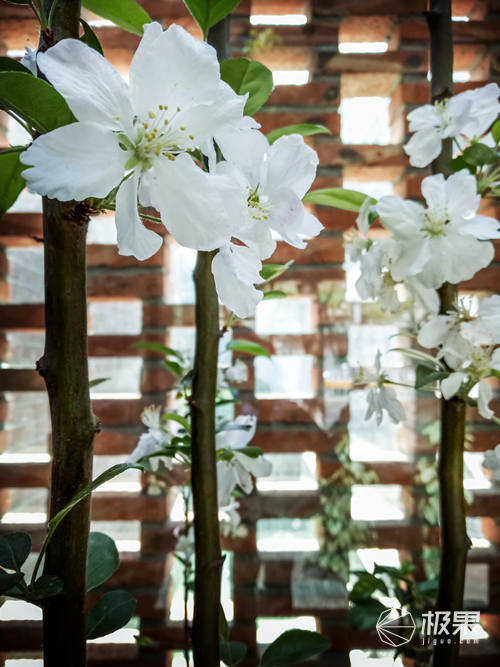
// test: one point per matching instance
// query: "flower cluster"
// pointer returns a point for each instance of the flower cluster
(148, 143)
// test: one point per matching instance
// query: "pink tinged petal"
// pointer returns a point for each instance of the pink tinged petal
(237, 296)
(189, 203)
(485, 395)
(461, 198)
(434, 191)
(482, 227)
(451, 384)
(435, 331)
(91, 86)
(176, 70)
(133, 238)
(287, 217)
(402, 218)
(75, 162)
(291, 163)
(424, 147)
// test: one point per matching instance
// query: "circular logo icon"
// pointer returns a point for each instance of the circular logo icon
(395, 627)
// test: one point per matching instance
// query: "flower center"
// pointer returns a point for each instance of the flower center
(441, 109)
(480, 364)
(258, 207)
(435, 223)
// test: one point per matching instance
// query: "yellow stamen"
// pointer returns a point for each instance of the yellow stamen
(146, 126)
(182, 128)
(116, 117)
(166, 122)
(160, 107)
(152, 114)
(178, 108)
(191, 136)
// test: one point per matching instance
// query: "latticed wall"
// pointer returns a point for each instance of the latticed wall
(301, 398)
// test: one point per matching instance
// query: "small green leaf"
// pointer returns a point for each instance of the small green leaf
(11, 65)
(425, 375)
(8, 581)
(174, 367)
(90, 38)
(294, 646)
(158, 347)
(207, 13)
(19, 2)
(248, 76)
(11, 181)
(366, 586)
(305, 130)
(275, 294)
(478, 155)
(97, 382)
(126, 14)
(458, 163)
(365, 614)
(248, 346)
(171, 416)
(495, 131)
(251, 452)
(347, 200)
(110, 613)
(45, 587)
(271, 271)
(231, 653)
(102, 559)
(34, 101)
(14, 550)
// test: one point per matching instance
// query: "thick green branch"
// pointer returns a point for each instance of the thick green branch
(64, 368)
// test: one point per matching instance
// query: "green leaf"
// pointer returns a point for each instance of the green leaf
(495, 131)
(126, 14)
(174, 367)
(271, 271)
(158, 347)
(478, 155)
(365, 614)
(90, 38)
(45, 587)
(97, 381)
(305, 130)
(102, 559)
(294, 646)
(207, 13)
(366, 586)
(425, 375)
(231, 653)
(11, 181)
(11, 65)
(171, 416)
(248, 76)
(248, 346)
(34, 101)
(251, 452)
(110, 613)
(458, 163)
(347, 200)
(275, 294)
(14, 550)
(8, 581)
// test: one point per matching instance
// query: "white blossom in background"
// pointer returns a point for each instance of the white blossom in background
(468, 114)
(185, 543)
(491, 461)
(367, 252)
(138, 138)
(153, 441)
(445, 242)
(475, 367)
(238, 471)
(237, 373)
(380, 397)
(275, 179)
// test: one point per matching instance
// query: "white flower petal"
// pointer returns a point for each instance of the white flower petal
(484, 110)
(426, 298)
(243, 144)
(75, 162)
(484, 397)
(287, 217)
(291, 163)
(237, 296)
(226, 482)
(258, 467)
(461, 196)
(392, 405)
(190, 206)
(491, 460)
(402, 218)
(435, 331)
(236, 438)
(451, 384)
(482, 227)
(133, 238)
(424, 147)
(422, 118)
(90, 85)
(363, 219)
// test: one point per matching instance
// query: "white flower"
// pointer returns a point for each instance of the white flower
(492, 461)
(445, 242)
(476, 366)
(275, 179)
(483, 328)
(29, 60)
(176, 101)
(153, 441)
(469, 114)
(237, 373)
(380, 397)
(185, 544)
(239, 470)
